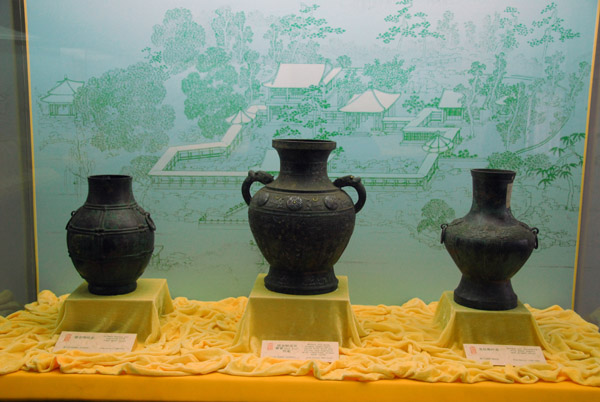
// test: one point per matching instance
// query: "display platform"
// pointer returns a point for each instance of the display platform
(137, 312)
(468, 325)
(220, 387)
(197, 340)
(277, 316)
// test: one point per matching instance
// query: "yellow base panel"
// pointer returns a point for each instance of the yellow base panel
(222, 387)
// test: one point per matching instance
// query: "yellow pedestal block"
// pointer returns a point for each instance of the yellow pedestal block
(136, 312)
(276, 316)
(467, 325)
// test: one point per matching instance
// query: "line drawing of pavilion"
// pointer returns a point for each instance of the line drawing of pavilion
(163, 173)
(371, 103)
(451, 106)
(60, 98)
(287, 89)
(291, 82)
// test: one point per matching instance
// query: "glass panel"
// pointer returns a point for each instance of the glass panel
(587, 296)
(186, 97)
(17, 269)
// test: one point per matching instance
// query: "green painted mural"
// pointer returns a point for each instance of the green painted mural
(186, 97)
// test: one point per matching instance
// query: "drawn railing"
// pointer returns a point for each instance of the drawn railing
(168, 162)
(391, 124)
(165, 175)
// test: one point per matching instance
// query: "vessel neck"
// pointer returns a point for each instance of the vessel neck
(311, 164)
(110, 190)
(491, 192)
(303, 165)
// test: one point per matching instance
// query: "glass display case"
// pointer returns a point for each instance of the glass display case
(186, 98)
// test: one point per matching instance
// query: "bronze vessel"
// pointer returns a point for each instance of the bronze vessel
(301, 221)
(488, 244)
(110, 238)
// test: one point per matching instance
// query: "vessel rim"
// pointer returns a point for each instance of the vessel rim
(293, 143)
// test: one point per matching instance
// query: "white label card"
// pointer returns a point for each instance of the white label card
(500, 355)
(301, 350)
(95, 342)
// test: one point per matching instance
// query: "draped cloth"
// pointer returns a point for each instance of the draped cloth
(137, 312)
(399, 342)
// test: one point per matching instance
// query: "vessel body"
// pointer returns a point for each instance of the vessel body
(110, 238)
(489, 245)
(301, 221)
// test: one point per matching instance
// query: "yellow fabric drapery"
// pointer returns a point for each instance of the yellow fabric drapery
(276, 316)
(136, 312)
(467, 325)
(401, 342)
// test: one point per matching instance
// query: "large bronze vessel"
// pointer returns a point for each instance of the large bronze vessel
(301, 221)
(110, 238)
(488, 244)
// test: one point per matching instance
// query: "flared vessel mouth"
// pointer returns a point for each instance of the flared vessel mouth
(494, 174)
(109, 177)
(324, 145)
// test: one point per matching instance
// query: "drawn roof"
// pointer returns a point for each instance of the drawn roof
(297, 76)
(240, 117)
(254, 109)
(438, 144)
(370, 101)
(450, 100)
(63, 91)
(331, 75)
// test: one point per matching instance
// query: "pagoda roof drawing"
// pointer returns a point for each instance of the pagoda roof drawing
(297, 76)
(370, 101)
(331, 75)
(450, 100)
(438, 144)
(241, 117)
(62, 92)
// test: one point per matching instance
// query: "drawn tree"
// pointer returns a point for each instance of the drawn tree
(500, 32)
(294, 38)
(533, 162)
(243, 36)
(562, 99)
(122, 109)
(210, 94)
(511, 29)
(493, 83)
(406, 24)
(512, 115)
(224, 27)
(347, 85)
(549, 29)
(179, 39)
(248, 75)
(448, 28)
(569, 159)
(79, 165)
(505, 160)
(308, 113)
(471, 92)
(138, 169)
(231, 32)
(414, 104)
(470, 31)
(344, 61)
(388, 76)
(434, 213)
